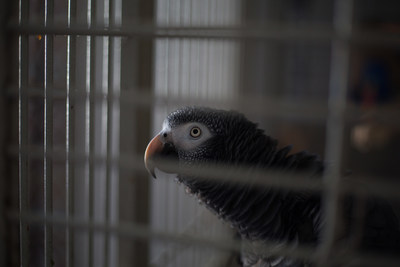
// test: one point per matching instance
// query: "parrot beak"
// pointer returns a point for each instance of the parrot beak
(153, 148)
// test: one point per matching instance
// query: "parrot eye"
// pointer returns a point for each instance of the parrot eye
(195, 132)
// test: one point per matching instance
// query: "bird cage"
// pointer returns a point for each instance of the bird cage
(86, 84)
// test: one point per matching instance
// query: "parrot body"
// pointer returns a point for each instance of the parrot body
(195, 136)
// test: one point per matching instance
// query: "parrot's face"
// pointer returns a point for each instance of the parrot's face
(194, 135)
(185, 143)
(188, 137)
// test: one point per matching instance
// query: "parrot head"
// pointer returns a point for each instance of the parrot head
(195, 135)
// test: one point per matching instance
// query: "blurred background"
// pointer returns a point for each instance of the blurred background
(86, 84)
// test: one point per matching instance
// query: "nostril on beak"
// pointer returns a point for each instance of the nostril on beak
(165, 135)
(168, 150)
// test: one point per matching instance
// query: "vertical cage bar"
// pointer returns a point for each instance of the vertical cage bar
(335, 123)
(3, 250)
(23, 52)
(115, 20)
(110, 101)
(48, 134)
(91, 16)
(70, 134)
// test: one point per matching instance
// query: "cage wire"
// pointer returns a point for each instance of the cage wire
(87, 83)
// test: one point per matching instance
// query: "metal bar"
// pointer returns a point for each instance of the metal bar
(113, 241)
(23, 159)
(4, 8)
(108, 156)
(335, 126)
(264, 106)
(358, 185)
(109, 167)
(48, 134)
(90, 141)
(70, 133)
(308, 33)
(142, 231)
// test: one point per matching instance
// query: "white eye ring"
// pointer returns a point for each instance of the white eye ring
(195, 132)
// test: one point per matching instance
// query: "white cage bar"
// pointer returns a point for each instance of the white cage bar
(69, 133)
(109, 125)
(90, 119)
(23, 131)
(48, 133)
(338, 81)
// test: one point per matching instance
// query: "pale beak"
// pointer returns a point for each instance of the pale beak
(154, 147)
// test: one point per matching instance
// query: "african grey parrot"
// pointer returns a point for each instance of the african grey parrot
(196, 135)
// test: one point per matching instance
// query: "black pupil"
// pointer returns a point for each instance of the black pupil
(195, 131)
